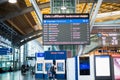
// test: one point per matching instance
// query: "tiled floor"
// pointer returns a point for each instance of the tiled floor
(17, 76)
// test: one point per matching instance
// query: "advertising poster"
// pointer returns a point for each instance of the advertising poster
(116, 68)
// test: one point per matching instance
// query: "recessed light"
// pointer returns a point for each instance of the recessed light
(12, 1)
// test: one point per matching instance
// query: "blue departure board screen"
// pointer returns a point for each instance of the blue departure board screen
(59, 29)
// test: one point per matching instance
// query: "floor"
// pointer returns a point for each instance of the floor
(17, 76)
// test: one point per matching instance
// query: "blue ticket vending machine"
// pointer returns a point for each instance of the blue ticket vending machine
(58, 58)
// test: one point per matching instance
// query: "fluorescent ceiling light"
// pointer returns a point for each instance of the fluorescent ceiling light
(12, 1)
(63, 7)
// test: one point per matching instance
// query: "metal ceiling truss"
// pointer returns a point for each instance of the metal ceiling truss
(7, 28)
(8, 33)
(16, 39)
(5, 34)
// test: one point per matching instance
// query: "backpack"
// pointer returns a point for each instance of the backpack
(52, 69)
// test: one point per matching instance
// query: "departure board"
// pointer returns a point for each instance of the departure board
(61, 29)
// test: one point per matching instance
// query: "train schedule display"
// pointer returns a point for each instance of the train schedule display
(59, 29)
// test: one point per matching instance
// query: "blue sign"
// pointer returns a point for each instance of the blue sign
(5, 51)
(55, 55)
(39, 54)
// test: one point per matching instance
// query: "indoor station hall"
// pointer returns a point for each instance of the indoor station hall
(59, 39)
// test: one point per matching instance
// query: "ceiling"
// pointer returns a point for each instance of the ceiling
(19, 23)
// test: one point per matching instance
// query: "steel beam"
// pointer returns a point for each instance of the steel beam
(92, 1)
(34, 33)
(94, 15)
(111, 26)
(37, 10)
(29, 39)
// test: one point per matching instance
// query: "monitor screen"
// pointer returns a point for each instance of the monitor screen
(60, 66)
(59, 29)
(48, 66)
(102, 65)
(39, 66)
(84, 65)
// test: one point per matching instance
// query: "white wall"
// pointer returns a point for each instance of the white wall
(34, 47)
(70, 66)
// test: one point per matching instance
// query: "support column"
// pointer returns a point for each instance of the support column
(19, 52)
(25, 52)
(80, 50)
(13, 52)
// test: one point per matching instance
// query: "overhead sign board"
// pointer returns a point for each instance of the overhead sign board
(63, 29)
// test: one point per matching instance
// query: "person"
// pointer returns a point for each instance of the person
(33, 66)
(23, 69)
(53, 71)
(27, 67)
(49, 73)
(10, 69)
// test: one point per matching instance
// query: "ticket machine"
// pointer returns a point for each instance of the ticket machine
(39, 66)
(80, 68)
(45, 60)
(60, 69)
(47, 66)
(39, 69)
